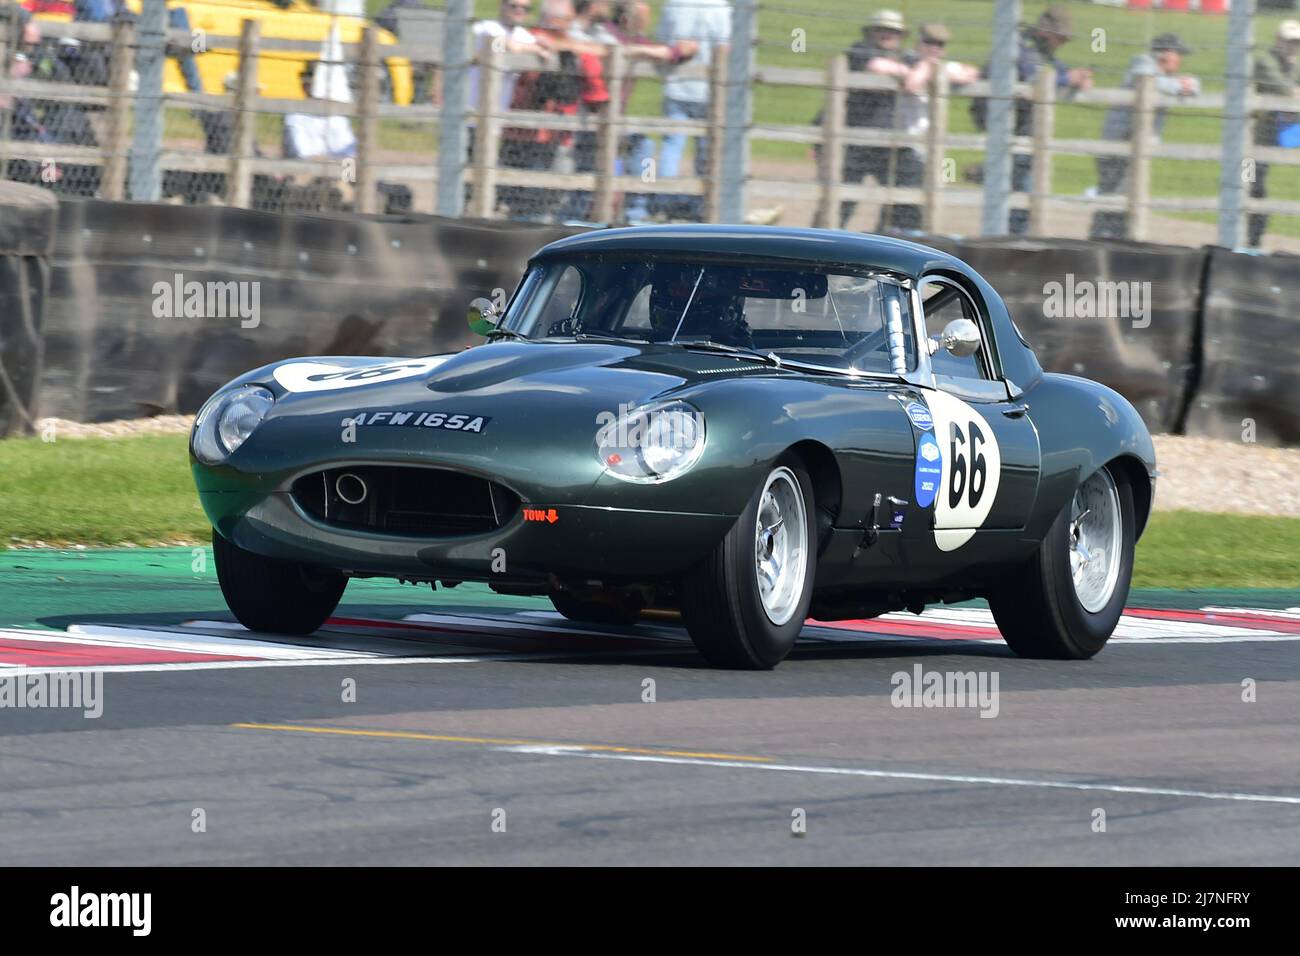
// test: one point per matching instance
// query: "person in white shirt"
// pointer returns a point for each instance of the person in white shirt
(509, 35)
(708, 24)
(313, 136)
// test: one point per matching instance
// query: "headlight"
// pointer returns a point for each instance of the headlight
(652, 444)
(226, 420)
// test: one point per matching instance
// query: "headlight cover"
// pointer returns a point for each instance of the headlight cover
(652, 444)
(226, 420)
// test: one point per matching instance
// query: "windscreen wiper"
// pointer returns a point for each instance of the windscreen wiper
(707, 345)
(507, 334)
(606, 337)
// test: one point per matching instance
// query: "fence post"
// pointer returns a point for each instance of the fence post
(368, 121)
(1044, 123)
(714, 186)
(239, 181)
(608, 126)
(739, 112)
(487, 134)
(934, 159)
(1236, 122)
(119, 107)
(456, 57)
(1139, 180)
(146, 142)
(1000, 126)
(9, 37)
(831, 167)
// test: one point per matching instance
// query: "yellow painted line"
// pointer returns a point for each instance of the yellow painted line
(498, 741)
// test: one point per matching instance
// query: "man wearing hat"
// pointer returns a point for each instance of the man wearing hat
(1163, 62)
(880, 51)
(1039, 43)
(1275, 75)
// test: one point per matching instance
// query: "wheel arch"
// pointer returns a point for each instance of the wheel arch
(828, 485)
(1135, 472)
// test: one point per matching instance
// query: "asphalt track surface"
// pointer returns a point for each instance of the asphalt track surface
(472, 710)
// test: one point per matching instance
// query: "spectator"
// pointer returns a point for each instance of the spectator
(630, 25)
(23, 121)
(1275, 75)
(315, 136)
(509, 35)
(578, 82)
(707, 23)
(880, 51)
(1163, 62)
(920, 67)
(1038, 45)
(590, 29)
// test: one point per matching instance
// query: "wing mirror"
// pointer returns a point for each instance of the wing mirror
(483, 316)
(961, 337)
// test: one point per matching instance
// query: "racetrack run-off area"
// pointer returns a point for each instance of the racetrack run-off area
(488, 729)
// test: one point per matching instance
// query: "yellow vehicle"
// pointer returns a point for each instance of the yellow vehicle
(278, 71)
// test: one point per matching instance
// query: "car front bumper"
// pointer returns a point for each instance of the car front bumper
(566, 540)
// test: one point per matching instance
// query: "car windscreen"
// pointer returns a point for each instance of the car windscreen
(800, 313)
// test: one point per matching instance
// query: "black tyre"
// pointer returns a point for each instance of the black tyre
(1066, 601)
(745, 603)
(279, 597)
(616, 610)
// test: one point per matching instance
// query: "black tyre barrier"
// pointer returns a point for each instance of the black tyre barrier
(1249, 388)
(119, 343)
(28, 218)
(1202, 347)
(1120, 313)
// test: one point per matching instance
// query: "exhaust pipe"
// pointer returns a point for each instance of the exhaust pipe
(350, 488)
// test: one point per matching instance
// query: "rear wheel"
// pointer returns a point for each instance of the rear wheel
(615, 610)
(279, 597)
(1069, 597)
(745, 603)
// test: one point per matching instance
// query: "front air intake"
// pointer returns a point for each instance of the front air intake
(389, 499)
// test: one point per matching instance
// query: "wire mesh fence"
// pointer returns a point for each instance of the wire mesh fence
(1079, 119)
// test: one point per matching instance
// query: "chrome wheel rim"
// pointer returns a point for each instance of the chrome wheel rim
(1096, 532)
(780, 531)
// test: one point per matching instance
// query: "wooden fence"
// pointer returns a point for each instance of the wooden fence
(936, 195)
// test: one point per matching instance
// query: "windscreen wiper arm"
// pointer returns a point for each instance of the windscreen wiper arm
(767, 358)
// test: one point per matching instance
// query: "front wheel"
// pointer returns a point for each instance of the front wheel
(279, 597)
(745, 603)
(1068, 598)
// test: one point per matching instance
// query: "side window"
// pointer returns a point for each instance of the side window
(562, 301)
(637, 318)
(941, 303)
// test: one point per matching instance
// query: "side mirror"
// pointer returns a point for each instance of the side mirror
(961, 337)
(483, 316)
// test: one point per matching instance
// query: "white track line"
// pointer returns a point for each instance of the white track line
(906, 775)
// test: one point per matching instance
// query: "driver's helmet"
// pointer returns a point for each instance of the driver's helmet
(713, 314)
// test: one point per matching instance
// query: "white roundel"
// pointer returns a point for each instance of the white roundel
(324, 377)
(972, 470)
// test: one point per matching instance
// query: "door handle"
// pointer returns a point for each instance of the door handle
(1016, 411)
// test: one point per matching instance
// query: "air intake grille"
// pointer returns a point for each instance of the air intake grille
(411, 501)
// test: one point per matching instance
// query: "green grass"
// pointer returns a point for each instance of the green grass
(98, 491)
(1185, 549)
(138, 490)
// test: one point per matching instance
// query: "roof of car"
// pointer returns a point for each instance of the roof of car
(825, 246)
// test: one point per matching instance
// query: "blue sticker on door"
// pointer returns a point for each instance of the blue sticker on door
(920, 416)
(929, 470)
